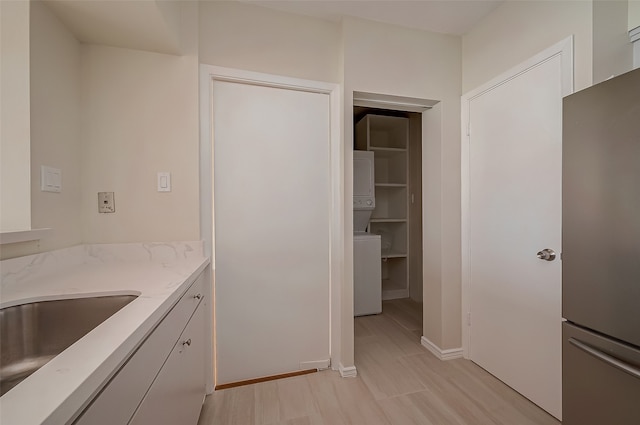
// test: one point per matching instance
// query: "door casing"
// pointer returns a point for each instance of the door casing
(209, 74)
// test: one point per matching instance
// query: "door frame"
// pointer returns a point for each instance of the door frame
(564, 49)
(209, 74)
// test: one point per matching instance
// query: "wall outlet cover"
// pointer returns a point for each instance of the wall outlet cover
(106, 202)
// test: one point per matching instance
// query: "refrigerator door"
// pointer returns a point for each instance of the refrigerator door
(600, 379)
(601, 208)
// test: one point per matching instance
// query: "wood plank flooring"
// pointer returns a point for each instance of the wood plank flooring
(399, 383)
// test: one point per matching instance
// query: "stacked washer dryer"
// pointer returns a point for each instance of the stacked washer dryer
(367, 278)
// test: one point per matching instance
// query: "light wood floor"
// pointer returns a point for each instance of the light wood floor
(399, 382)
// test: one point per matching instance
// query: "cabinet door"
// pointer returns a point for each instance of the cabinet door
(118, 400)
(176, 395)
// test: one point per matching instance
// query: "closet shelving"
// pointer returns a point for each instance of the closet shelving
(387, 137)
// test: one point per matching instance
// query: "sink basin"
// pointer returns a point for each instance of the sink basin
(34, 333)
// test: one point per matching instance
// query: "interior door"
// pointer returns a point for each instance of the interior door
(272, 228)
(515, 147)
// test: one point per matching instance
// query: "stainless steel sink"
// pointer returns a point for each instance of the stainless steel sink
(34, 333)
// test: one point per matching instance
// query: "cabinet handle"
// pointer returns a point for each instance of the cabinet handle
(187, 342)
(198, 296)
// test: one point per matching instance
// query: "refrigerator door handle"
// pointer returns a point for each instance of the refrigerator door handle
(610, 360)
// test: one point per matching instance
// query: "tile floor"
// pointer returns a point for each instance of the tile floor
(399, 383)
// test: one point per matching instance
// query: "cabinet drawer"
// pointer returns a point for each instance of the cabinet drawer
(120, 397)
(600, 384)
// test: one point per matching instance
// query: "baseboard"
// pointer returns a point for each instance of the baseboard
(315, 364)
(348, 372)
(449, 354)
(394, 294)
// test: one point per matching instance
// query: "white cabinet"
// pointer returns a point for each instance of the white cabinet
(175, 397)
(153, 369)
(388, 138)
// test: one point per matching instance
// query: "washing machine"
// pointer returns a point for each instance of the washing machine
(367, 275)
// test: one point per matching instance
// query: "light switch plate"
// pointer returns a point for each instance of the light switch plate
(50, 179)
(164, 181)
(106, 202)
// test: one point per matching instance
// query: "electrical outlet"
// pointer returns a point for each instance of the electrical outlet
(106, 202)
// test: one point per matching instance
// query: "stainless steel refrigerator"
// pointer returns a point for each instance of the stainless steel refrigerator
(601, 253)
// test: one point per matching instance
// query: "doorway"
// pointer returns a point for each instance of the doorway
(275, 189)
(395, 139)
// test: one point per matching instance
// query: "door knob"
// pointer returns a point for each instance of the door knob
(546, 254)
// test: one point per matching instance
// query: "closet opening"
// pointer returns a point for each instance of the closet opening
(392, 139)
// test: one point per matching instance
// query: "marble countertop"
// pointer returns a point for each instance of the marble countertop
(157, 273)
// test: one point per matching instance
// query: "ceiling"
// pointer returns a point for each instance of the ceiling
(154, 25)
(443, 16)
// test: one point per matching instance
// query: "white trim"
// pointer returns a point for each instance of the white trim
(564, 49)
(387, 101)
(206, 217)
(23, 235)
(208, 74)
(336, 245)
(347, 372)
(315, 364)
(634, 34)
(206, 163)
(219, 73)
(448, 354)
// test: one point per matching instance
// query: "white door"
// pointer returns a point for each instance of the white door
(272, 228)
(514, 211)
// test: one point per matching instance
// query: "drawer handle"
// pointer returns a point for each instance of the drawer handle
(198, 296)
(610, 360)
(187, 342)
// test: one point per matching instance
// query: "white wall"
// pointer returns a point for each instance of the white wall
(387, 59)
(254, 38)
(55, 127)
(15, 200)
(612, 49)
(139, 117)
(633, 17)
(517, 30)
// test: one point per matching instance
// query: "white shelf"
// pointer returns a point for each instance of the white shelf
(391, 285)
(388, 138)
(396, 294)
(391, 185)
(388, 220)
(389, 150)
(392, 254)
(387, 132)
(392, 290)
(390, 167)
